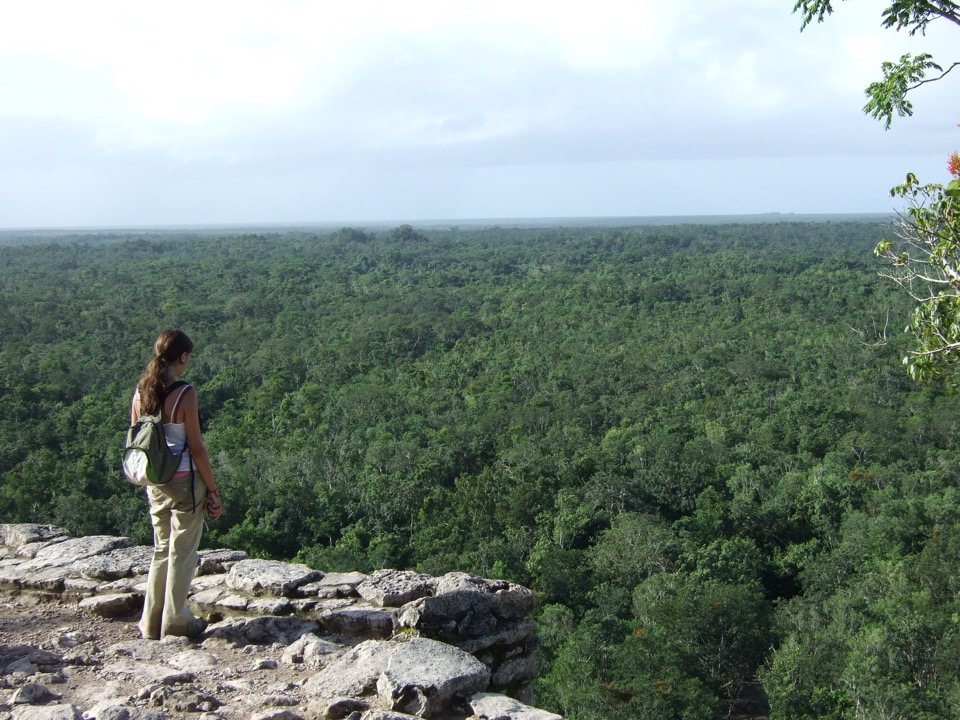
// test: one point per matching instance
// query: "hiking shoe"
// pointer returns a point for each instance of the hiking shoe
(196, 627)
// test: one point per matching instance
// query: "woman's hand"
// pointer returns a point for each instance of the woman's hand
(214, 506)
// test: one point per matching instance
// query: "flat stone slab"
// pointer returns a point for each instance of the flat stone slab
(270, 606)
(115, 605)
(466, 608)
(512, 601)
(270, 577)
(138, 649)
(424, 676)
(135, 584)
(15, 535)
(80, 585)
(265, 630)
(490, 706)
(417, 676)
(354, 674)
(47, 712)
(393, 588)
(69, 551)
(214, 562)
(195, 661)
(369, 622)
(310, 649)
(145, 673)
(334, 585)
(116, 564)
(49, 579)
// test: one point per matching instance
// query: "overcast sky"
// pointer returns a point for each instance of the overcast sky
(208, 112)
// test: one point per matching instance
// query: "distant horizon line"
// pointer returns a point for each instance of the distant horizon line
(560, 221)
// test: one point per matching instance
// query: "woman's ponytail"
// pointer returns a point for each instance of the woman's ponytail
(170, 345)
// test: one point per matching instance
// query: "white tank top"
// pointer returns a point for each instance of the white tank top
(176, 435)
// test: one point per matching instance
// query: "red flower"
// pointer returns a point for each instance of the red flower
(953, 164)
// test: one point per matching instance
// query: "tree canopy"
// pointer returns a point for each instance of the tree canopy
(685, 439)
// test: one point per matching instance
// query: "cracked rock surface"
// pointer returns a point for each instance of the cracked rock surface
(284, 641)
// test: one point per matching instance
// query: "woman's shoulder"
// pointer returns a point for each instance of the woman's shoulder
(178, 396)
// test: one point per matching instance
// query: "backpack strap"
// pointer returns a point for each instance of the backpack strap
(176, 403)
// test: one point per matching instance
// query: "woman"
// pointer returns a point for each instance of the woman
(176, 508)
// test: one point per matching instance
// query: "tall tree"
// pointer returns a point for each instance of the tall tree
(923, 256)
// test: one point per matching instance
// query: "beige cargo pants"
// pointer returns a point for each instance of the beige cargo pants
(177, 526)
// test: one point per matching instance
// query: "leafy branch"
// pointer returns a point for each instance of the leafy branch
(924, 257)
(889, 95)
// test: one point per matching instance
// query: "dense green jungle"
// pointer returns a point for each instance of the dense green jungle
(696, 443)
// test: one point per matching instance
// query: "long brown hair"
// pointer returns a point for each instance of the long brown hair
(170, 345)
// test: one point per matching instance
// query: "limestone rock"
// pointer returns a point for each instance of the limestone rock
(365, 622)
(337, 707)
(28, 661)
(195, 661)
(47, 579)
(509, 601)
(32, 694)
(67, 638)
(420, 676)
(471, 637)
(269, 606)
(206, 582)
(270, 577)
(353, 674)
(80, 586)
(518, 668)
(116, 564)
(309, 649)
(222, 598)
(125, 712)
(276, 715)
(17, 535)
(183, 700)
(147, 673)
(490, 706)
(46, 712)
(466, 607)
(334, 585)
(393, 588)
(265, 630)
(213, 562)
(114, 605)
(513, 633)
(426, 678)
(69, 551)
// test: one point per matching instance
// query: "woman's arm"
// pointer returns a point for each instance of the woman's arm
(198, 451)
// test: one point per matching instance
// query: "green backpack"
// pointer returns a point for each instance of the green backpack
(147, 460)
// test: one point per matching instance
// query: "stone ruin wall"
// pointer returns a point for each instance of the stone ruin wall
(371, 617)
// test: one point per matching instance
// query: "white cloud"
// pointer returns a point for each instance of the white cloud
(258, 96)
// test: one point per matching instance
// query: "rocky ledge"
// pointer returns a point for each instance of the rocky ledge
(386, 646)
